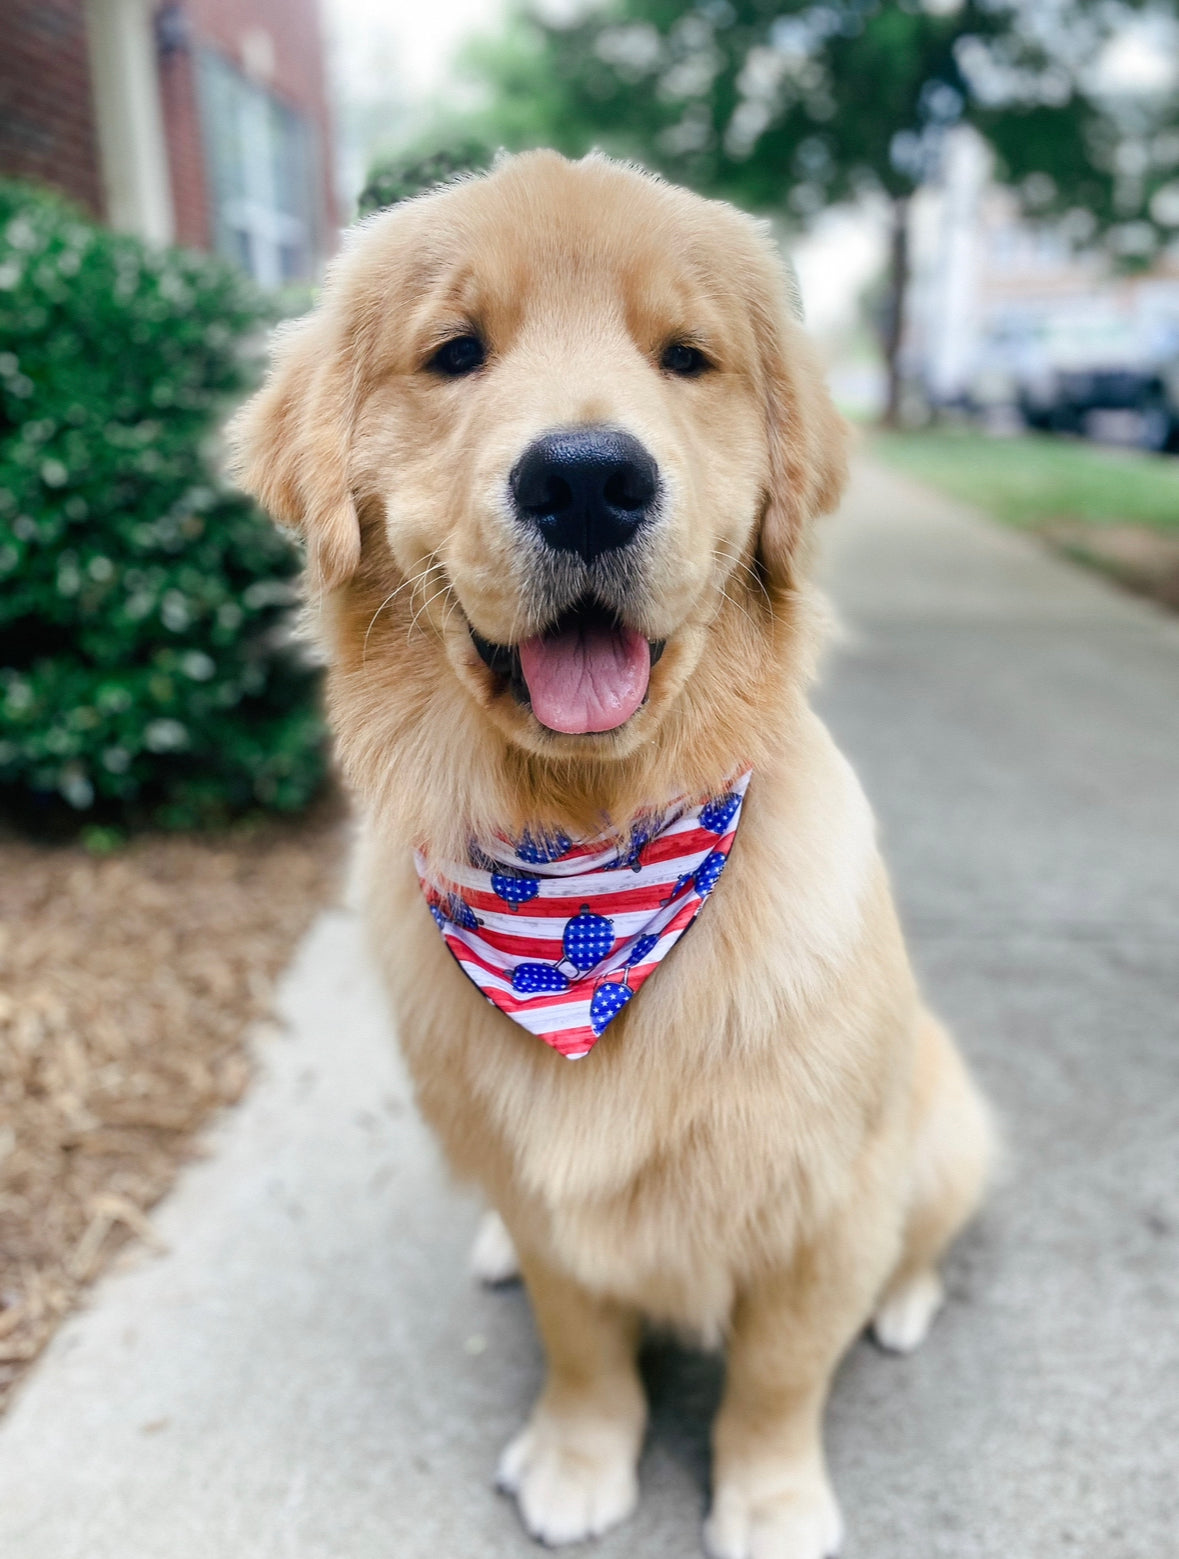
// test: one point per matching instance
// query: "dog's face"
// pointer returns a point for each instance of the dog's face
(570, 409)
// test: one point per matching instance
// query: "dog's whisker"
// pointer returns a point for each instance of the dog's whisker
(420, 579)
(746, 567)
(734, 602)
(423, 585)
(739, 607)
(756, 575)
(447, 589)
(427, 603)
(450, 611)
(430, 568)
(415, 580)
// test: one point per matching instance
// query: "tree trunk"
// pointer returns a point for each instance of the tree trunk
(894, 325)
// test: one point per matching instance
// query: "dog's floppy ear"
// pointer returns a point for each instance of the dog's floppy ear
(290, 447)
(807, 437)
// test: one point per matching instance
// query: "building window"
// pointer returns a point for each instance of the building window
(260, 171)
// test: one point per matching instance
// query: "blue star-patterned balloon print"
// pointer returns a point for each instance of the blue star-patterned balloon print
(608, 1001)
(709, 871)
(587, 939)
(460, 912)
(717, 814)
(515, 888)
(680, 884)
(531, 979)
(540, 848)
(637, 840)
(639, 951)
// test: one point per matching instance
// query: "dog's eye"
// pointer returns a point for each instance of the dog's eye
(687, 361)
(461, 356)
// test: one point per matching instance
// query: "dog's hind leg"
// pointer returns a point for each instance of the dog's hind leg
(953, 1149)
(493, 1255)
(573, 1466)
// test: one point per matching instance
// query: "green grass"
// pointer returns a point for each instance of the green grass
(1032, 480)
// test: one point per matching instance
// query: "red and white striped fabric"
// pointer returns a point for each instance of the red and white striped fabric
(560, 934)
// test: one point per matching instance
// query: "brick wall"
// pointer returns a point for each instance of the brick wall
(298, 78)
(47, 129)
(182, 130)
(47, 125)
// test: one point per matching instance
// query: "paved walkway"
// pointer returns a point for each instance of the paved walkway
(309, 1375)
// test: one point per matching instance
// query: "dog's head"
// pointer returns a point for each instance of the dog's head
(553, 434)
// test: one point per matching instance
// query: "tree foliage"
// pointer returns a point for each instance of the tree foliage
(797, 104)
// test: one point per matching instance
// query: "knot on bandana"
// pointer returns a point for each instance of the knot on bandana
(560, 934)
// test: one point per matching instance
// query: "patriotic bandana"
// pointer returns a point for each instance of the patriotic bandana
(560, 934)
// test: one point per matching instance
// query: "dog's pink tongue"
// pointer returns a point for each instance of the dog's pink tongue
(590, 677)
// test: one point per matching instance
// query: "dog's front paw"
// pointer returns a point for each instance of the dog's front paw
(902, 1322)
(572, 1478)
(493, 1255)
(798, 1520)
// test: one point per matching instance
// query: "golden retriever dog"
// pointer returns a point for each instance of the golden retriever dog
(555, 440)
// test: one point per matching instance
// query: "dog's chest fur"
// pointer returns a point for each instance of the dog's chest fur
(682, 1152)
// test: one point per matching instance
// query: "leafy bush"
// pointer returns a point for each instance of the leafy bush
(146, 671)
(403, 177)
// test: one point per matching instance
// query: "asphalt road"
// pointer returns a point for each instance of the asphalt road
(308, 1374)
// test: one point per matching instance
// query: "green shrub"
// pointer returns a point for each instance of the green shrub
(146, 670)
(402, 177)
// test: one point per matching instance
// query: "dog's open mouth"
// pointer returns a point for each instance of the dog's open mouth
(587, 671)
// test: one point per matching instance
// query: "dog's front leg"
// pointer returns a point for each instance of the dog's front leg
(573, 1466)
(771, 1495)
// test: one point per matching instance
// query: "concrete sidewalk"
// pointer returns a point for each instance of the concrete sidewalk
(308, 1374)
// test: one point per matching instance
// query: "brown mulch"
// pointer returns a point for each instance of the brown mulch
(1138, 557)
(128, 985)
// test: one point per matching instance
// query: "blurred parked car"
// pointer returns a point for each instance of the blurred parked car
(1076, 365)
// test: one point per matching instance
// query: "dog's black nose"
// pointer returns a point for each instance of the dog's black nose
(586, 490)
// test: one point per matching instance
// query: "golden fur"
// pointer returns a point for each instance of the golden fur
(776, 1141)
